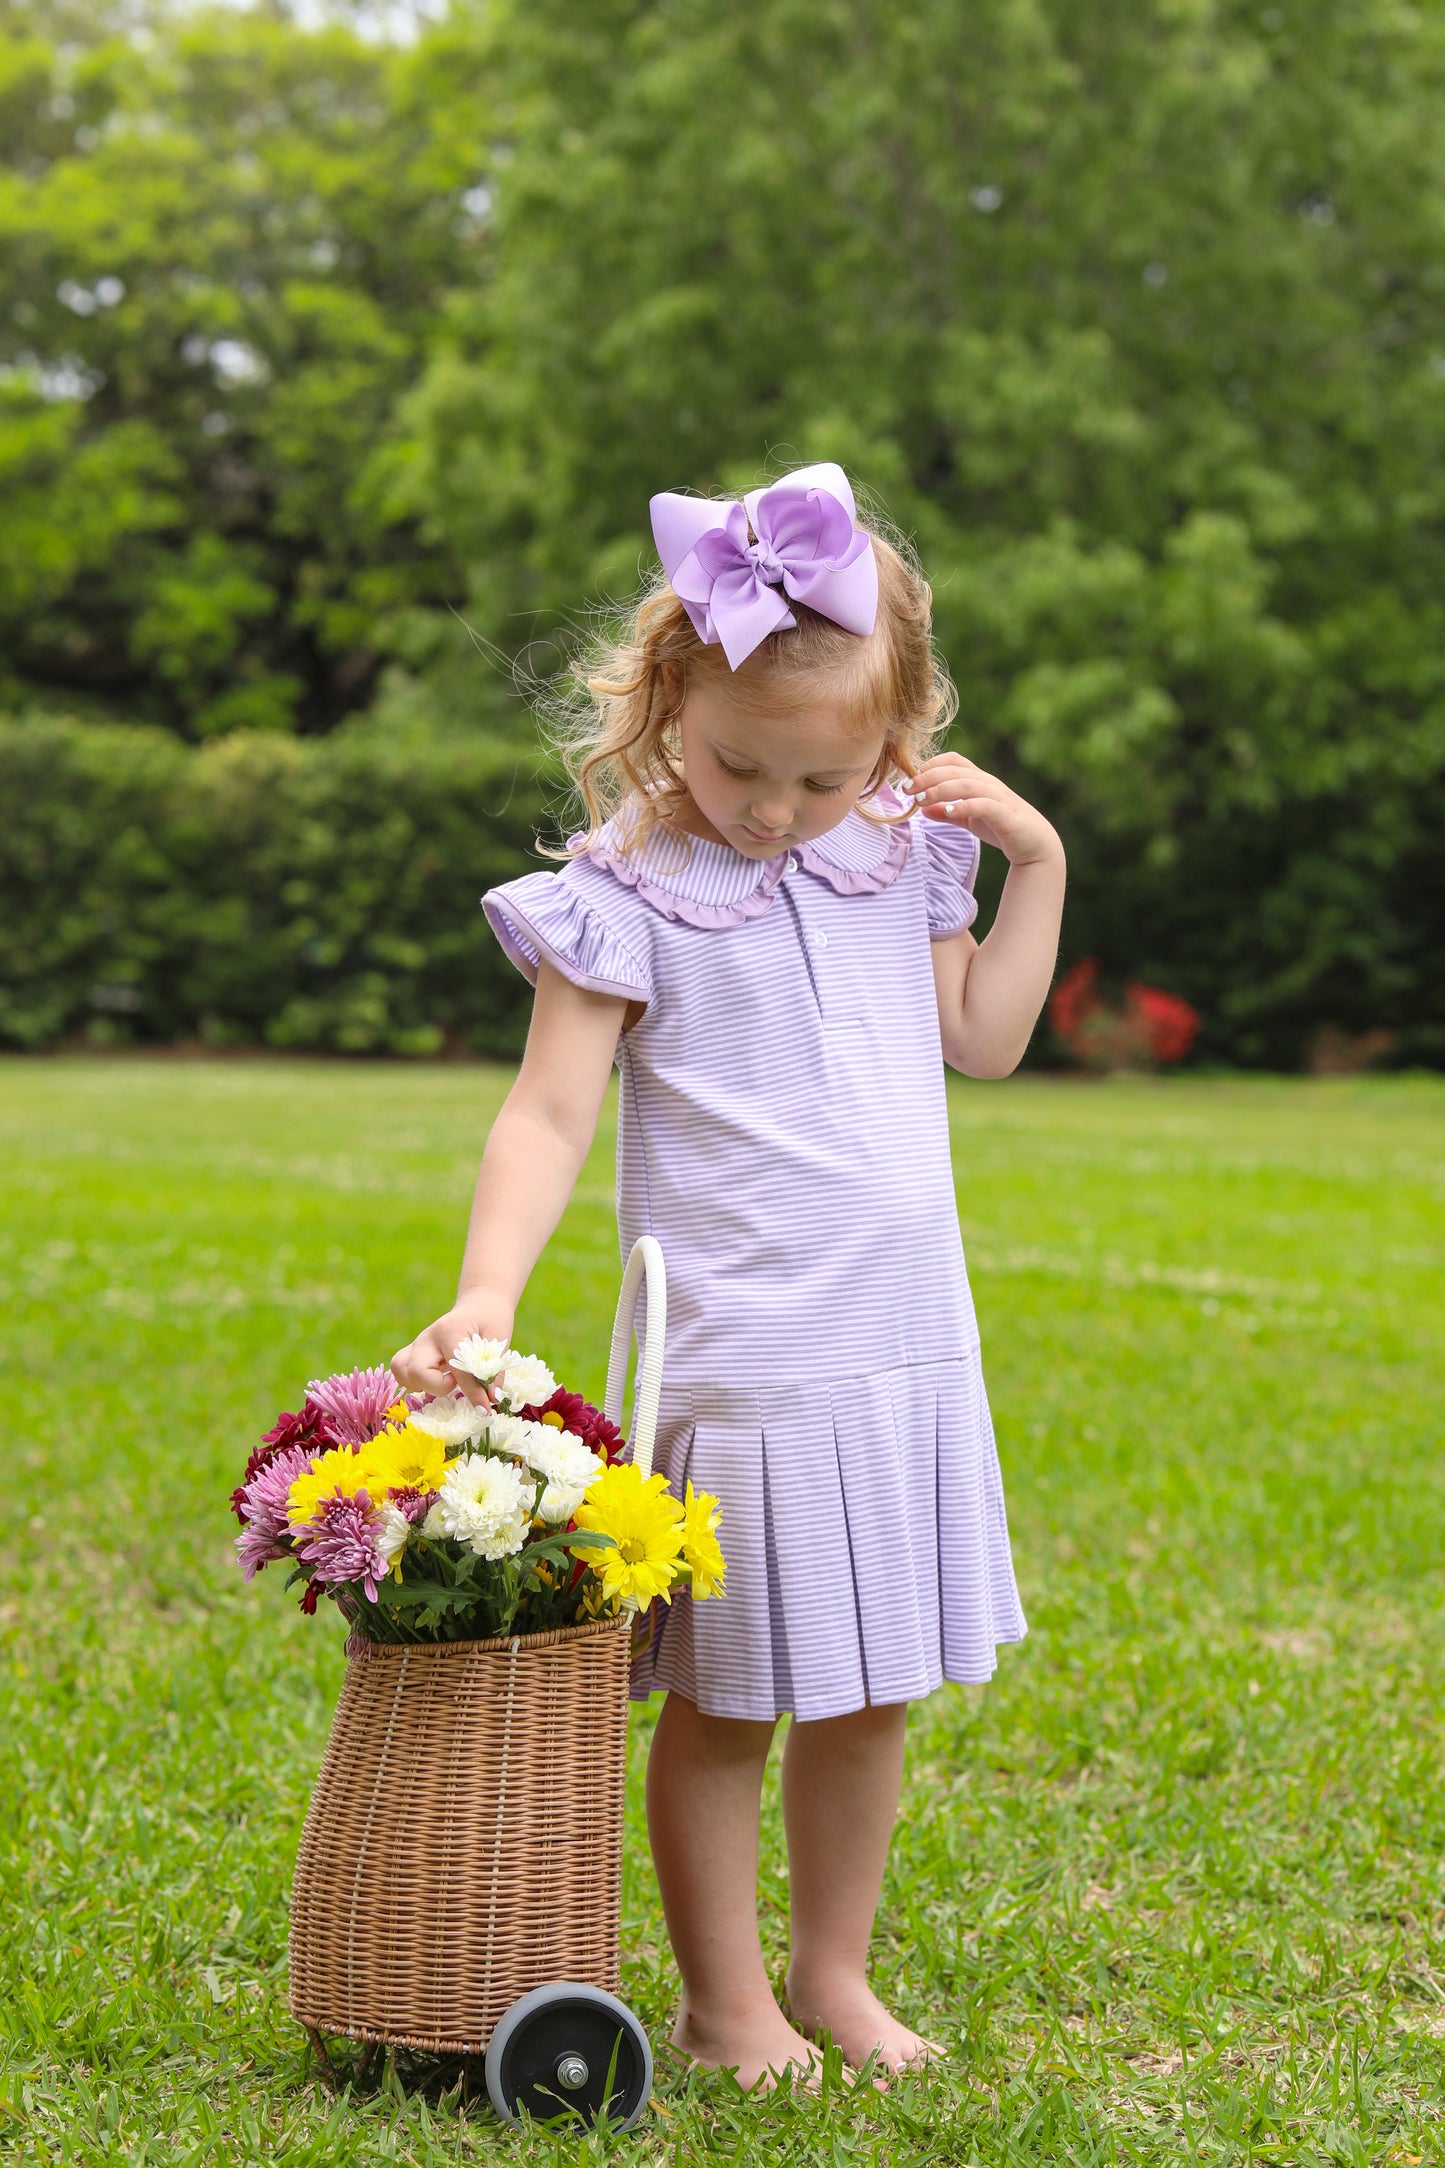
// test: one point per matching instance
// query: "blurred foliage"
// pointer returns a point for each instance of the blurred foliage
(224, 247)
(1133, 315)
(258, 890)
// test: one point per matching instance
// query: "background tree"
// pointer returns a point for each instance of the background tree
(1133, 315)
(224, 243)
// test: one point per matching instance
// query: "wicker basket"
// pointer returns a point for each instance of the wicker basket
(464, 1839)
(463, 1844)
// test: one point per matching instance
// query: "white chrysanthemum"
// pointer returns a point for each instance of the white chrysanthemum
(482, 1359)
(559, 1501)
(559, 1456)
(533, 1442)
(525, 1382)
(507, 1433)
(569, 1467)
(432, 1527)
(486, 1504)
(395, 1528)
(452, 1418)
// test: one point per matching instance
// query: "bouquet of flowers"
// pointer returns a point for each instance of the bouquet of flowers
(429, 1518)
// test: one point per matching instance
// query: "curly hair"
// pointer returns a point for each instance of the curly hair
(613, 716)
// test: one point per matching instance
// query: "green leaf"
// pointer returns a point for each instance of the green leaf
(438, 1597)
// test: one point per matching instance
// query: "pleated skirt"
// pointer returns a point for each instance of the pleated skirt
(866, 1542)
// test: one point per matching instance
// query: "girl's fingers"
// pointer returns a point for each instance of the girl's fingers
(959, 775)
(947, 794)
(957, 786)
(418, 1376)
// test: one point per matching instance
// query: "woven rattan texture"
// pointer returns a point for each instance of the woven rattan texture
(464, 1840)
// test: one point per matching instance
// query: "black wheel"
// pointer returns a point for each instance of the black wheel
(569, 2048)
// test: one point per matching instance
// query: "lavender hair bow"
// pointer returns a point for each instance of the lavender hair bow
(808, 545)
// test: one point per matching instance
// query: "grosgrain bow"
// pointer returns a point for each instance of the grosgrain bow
(808, 545)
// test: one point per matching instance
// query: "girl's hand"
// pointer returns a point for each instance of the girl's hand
(424, 1366)
(950, 788)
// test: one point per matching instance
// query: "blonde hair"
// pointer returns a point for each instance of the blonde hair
(613, 719)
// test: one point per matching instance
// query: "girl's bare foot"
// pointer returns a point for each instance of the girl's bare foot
(757, 2045)
(858, 2021)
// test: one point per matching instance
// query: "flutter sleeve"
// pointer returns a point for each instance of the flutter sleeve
(544, 915)
(949, 870)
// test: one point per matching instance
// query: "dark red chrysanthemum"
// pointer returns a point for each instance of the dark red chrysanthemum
(298, 1429)
(310, 1597)
(311, 1427)
(583, 1420)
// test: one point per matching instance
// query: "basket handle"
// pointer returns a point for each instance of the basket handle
(646, 1259)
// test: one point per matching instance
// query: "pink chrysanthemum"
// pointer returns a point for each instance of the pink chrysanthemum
(414, 1503)
(311, 1427)
(355, 1405)
(261, 1504)
(341, 1543)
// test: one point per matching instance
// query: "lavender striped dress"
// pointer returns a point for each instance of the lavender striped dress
(783, 1134)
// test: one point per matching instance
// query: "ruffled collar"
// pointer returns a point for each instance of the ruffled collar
(713, 885)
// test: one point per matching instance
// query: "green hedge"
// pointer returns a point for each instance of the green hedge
(323, 893)
(260, 891)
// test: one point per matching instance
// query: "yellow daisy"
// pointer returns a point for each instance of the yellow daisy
(700, 1547)
(337, 1472)
(409, 1459)
(644, 1521)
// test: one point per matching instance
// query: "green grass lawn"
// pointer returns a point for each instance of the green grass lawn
(1171, 1889)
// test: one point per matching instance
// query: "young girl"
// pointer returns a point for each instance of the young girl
(772, 945)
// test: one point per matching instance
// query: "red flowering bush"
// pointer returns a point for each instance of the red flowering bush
(1168, 1024)
(1146, 1030)
(1074, 999)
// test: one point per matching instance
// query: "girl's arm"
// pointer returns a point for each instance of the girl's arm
(990, 992)
(534, 1153)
